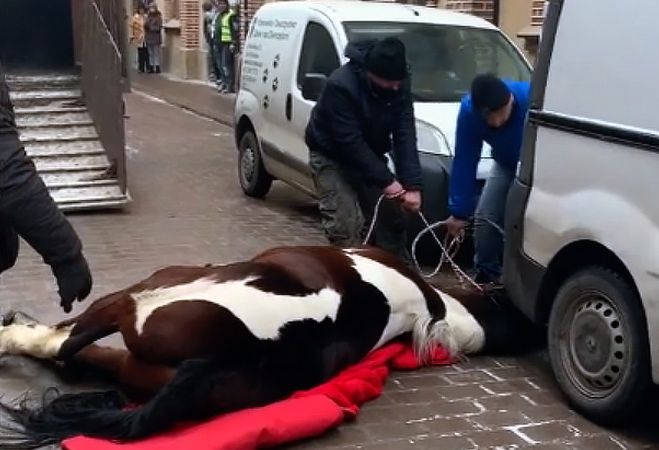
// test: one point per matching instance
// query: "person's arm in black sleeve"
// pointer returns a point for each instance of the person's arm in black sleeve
(351, 148)
(405, 154)
(27, 209)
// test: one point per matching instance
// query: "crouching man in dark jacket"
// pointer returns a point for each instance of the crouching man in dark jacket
(364, 112)
(27, 210)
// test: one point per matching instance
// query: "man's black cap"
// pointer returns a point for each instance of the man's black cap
(489, 93)
(387, 60)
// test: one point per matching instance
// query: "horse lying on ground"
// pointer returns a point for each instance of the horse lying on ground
(201, 341)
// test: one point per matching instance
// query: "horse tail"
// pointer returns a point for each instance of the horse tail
(198, 390)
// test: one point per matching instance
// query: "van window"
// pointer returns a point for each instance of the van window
(445, 59)
(318, 53)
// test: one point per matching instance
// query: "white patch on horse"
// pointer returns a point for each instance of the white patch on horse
(263, 313)
(36, 340)
(468, 333)
(407, 302)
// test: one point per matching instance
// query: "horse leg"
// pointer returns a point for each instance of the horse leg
(138, 379)
(23, 335)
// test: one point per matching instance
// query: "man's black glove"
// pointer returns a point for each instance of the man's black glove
(75, 282)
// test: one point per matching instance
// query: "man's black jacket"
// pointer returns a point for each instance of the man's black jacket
(26, 207)
(353, 126)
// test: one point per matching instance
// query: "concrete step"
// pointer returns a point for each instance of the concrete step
(46, 98)
(55, 149)
(73, 179)
(53, 119)
(59, 134)
(24, 82)
(48, 164)
(89, 196)
(60, 137)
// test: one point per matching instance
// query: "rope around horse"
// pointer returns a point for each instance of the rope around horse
(447, 255)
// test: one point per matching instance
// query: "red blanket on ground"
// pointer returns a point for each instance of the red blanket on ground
(305, 414)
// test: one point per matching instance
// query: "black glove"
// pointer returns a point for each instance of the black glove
(75, 282)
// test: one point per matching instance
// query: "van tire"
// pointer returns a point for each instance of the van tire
(255, 181)
(598, 346)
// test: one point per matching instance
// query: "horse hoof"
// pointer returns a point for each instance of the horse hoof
(8, 318)
(18, 317)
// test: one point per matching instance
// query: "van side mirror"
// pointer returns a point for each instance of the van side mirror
(313, 85)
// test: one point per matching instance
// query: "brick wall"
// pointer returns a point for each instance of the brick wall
(247, 10)
(537, 12)
(190, 17)
(483, 9)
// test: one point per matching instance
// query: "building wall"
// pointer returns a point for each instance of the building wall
(514, 16)
(520, 20)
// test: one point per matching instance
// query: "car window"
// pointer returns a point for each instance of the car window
(318, 53)
(445, 59)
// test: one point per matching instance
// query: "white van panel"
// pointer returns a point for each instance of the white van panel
(586, 188)
(593, 64)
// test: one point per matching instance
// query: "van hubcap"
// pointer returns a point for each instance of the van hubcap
(247, 165)
(596, 354)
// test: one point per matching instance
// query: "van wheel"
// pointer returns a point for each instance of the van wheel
(255, 181)
(598, 345)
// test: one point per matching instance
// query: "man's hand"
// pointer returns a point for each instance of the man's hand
(74, 281)
(455, 226)
(412, 201)
(394, 190)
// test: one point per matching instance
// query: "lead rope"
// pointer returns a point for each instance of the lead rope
(446, 253)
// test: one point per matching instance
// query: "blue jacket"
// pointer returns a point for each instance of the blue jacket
(471, 132)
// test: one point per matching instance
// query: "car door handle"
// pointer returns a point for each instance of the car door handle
(289, 106)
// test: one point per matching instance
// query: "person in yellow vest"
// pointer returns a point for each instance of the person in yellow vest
(227, 29)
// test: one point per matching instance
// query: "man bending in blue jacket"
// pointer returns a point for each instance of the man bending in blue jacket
(494, 112)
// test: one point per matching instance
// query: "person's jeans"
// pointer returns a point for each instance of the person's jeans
(347, 205)
(142, 58)
(488, 240)
(154, 55)
(227, 66)
(213, 62)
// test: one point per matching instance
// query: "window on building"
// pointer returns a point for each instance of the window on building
(318, 53)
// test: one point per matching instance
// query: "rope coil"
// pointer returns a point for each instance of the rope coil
(448, 251)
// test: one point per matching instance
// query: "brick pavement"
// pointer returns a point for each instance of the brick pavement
(196, 96)
(188, 208)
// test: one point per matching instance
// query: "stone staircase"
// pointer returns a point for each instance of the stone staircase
(60, 137)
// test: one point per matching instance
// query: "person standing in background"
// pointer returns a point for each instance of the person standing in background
(212, 59)
(227, 29)
(137, 38)
(153, 37)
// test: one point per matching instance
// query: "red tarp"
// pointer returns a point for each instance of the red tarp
(305, 414)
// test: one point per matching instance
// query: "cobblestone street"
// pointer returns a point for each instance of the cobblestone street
(187, 208)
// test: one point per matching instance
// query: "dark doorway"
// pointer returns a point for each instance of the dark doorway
(36, 34)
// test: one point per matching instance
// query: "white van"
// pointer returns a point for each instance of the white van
(293, 45)
(582, 226)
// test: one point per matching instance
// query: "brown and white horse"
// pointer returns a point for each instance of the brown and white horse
(206, 340)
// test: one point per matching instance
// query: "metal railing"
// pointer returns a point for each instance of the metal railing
(101, 69)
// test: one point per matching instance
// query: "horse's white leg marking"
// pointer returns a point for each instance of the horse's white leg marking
(263, 313)
(36, 340)
(468, 334)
